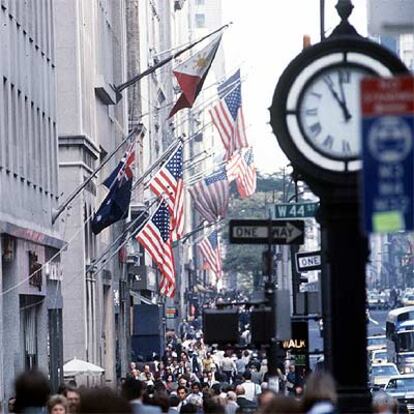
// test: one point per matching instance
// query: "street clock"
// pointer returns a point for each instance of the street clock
(316, 117)
(315, 113)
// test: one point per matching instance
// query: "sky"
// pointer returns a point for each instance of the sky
(264, 37)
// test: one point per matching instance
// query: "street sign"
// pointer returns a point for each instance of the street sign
(257, 232)
(170, 313)
(293, 210)
(305, 262)
(388, 154)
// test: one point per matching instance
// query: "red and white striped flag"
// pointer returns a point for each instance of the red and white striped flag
(227, 115)
(156, 239)
(211, 196)
(168, 183)
(241, 168)
(210, 250)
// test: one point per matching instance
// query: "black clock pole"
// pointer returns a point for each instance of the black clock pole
(344, 255)
(345, 252)
(334, 178)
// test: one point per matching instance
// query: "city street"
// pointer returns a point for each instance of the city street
(188, 188)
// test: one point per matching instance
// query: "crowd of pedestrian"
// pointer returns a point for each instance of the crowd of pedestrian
(191, 378)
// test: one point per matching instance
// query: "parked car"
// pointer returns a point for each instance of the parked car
(401, 387)
(377, 299)
(379, 374)
(379, 356)
(408, 299)
(376, 342)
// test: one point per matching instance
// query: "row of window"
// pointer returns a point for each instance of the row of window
(35, 18)
(25, 66)
(28, 144)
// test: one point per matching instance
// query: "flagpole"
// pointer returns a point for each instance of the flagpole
(118, 89)
(165, 155)
(138, 129)
(101, 258)
(196, 230)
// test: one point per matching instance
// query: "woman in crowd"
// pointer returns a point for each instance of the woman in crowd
(57, 404)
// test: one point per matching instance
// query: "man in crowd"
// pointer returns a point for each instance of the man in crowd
(251, 389)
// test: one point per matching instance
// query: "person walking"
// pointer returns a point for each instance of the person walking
(252, 390)
(228, 367)
(57, 404)
(319, 396)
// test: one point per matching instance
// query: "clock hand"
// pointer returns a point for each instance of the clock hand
(347, 115)
(341, 104)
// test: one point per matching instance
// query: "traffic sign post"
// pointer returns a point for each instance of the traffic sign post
(388, 154)
(257, 232)
(293, 210)
(307, 261)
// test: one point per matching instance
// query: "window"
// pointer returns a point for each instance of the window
(200, 20)
(200, 2)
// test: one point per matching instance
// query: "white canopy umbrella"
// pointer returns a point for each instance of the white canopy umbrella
(80, 367)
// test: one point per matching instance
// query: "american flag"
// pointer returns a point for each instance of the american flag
(227, 115)
(234, 166)
(210, 250)
(168, 183)
(246, 180)
(211, 196)
(155, 237)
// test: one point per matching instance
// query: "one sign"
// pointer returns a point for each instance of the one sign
(293, 210)
(305, 262)
(257, 232)
(388, 154)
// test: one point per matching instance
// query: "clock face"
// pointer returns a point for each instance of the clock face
(328, 111)
(315, 112)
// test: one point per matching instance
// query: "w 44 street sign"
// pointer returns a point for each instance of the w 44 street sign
(293, 210)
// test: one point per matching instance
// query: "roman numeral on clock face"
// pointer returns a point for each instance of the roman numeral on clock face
(346, 148)
(344, 76)
(316, 129)
(311, 111)
(328, 142)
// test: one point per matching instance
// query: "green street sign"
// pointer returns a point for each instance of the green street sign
(293, 210)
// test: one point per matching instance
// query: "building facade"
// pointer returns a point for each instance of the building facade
(91, 57)
(30, 269)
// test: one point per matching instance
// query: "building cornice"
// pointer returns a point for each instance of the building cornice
(80, 141)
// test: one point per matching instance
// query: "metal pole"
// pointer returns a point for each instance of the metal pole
(344, 256)
(293, 250)
(139, 129)
(118, 89)
(270, 291)
(322, 18)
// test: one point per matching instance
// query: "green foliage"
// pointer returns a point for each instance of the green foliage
(246, 260)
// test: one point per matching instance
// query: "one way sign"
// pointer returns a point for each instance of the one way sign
(307, 261)
(257, 231)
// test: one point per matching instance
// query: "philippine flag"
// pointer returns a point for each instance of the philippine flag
(192, 73)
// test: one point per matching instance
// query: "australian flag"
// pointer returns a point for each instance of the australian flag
(116, 204)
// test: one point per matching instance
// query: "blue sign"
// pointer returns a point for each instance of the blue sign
(388, 154)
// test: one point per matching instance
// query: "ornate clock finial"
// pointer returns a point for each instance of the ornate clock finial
(344, 8)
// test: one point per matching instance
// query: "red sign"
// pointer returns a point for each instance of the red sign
(387, 96)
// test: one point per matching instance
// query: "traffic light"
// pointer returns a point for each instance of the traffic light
(267, 262)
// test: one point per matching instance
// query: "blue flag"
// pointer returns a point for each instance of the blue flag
(116, 204)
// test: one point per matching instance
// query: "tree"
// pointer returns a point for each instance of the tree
(246, 260)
